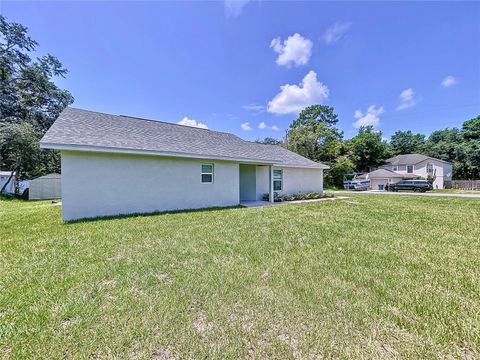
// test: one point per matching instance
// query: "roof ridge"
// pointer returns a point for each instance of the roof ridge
(164, 122)
(153, 120)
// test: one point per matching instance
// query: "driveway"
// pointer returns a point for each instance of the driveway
(409, 193)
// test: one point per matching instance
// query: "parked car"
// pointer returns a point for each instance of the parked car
(412, 185)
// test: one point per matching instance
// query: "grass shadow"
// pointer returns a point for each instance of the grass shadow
(147, 214)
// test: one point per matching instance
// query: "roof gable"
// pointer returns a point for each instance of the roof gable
(81, 129)
(410, 159)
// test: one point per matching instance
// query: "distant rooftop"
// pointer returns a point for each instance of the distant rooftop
(409, 159)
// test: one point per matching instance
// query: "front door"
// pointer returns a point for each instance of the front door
(248, 182)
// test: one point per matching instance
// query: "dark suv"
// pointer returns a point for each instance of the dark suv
(415, 185)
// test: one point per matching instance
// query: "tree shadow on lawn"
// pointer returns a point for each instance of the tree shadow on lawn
(147, 214)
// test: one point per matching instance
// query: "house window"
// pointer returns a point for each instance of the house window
(277, 180)
(429, 168)
(207, 173)
(409, 169)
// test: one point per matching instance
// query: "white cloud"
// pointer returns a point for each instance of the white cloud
(407, 94)
(370, 118)
(295, 50)
(263, 126)
(254, 108)
(246, 126)
(234, 8)
(294, 98)
(336, 32)
(449, 81)
(407, 99)
(193, 123)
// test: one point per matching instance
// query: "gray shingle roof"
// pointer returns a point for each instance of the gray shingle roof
(78, 128)
(387, 174)
(408, 159)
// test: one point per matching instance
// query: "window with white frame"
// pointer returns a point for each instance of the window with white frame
(429, 168)
(277, 180)
(409, 169)
(207, 173)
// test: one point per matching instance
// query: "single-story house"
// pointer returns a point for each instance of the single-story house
(380, 178)
(422, 166)
(45, 187)
(115, 164)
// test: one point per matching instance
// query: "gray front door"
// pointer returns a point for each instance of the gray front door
(248, 182)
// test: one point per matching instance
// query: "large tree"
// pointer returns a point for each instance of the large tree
(471, 129)
(314, 135)
(442, 144)
(341, 166)
(367, 149)
(30, 101)
(269, 141)
(406, 142)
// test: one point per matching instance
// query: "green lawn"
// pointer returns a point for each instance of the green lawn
(368, 277)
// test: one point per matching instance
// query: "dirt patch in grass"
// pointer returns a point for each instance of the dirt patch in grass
(163, 354)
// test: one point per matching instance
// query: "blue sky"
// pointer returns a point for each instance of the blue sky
(247, 67)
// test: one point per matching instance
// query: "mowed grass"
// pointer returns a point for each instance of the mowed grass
(366, 277)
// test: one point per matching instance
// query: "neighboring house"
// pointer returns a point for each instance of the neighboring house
(380, 178)
(422, 166)
(120, 165)
(45, 187)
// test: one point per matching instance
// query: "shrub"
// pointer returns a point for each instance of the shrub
(297, 196)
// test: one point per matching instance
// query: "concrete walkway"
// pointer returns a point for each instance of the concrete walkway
(410, 193)
(259, 203)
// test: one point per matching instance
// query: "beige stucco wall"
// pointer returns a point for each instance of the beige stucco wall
(294, 180)
(99, 184)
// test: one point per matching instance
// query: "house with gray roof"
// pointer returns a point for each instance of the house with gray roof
(420, 166)
(115, 164)
(381, 178)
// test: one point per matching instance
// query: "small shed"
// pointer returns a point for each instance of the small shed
(46, 187)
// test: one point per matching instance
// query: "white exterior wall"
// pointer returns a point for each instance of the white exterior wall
(101, 184)
(263, 179)
(294, 180)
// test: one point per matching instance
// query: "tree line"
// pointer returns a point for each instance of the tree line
(29, 103)
(315, 135)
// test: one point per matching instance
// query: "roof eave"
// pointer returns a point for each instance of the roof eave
(392, 163)
(317, 166)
